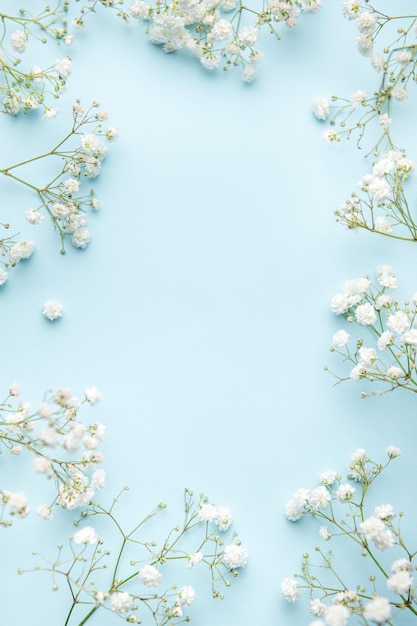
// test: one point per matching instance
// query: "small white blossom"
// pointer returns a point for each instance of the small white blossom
(150, 576)
(52, 310)
(235, 556)
(290, 590)
(378, 610)
(86, 535)
(321, 108)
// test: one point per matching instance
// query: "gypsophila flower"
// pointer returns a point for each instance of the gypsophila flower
(357, 97)
(3, 276)
(393, 452)
(400, 582)
(328, 477)
(321, 108)
(378, 610)
(345, 493)
(235, 556)
(337, 615)
(324, 533)
(290, 590)
(150, 576)
(194, 558)
(207, 512)
(93, 396)
(44, 512)
(384, 511)
(33, 216)
(121, 602)
(223, 518)
(365, 314)
(340, 338)
(186, 596)
(52, 310)
(86, 535)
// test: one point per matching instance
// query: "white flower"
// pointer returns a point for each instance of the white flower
(3, 276)
(321, 108)
(384, 511)
(345, 493)
(339, 303)
(378, 610)
(384, 120)
(324, 533)
(328, 477)
(398, 322)
(223, 518)
(63, 67)
(52, 310)
(317, 607)
(383, 225)
(399, 93)
(365, 314)
(207, 512)
(248, 36)
(410, 337)
(365, 22)
(121, 602)
(81, 237)
(18, 41)
(393, 452)
(290, 590)
(15, 389)
(250, 72)
(311, 6)
(21, 250)
(401, 565)
(375, 530)
(44, 512)
(340, 339)
(403, 57)
(384, 300)
(93, 395)
(33, 216)
(41, 464)
(86, 535)
(365, 44)
(98, 479)
(367, 356)
(330, 136)
(194, 558)
(320, 498)
(235, 556)
(357, 97)
(221, 30)
(351, 9)
(336, 615)
(400, 582)
(72, 185)
(394, 372)
(186, 596)
(140, 10)
(150, 576)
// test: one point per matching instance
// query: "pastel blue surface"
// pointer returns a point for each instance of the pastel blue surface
(201, 307)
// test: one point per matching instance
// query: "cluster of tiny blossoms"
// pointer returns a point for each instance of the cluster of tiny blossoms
(332, 602)
(388, 355)
(395, 63)
(81, 153)
(383, 208)
(212, 30)
(27, 88)
(38, 434)
(136, 583)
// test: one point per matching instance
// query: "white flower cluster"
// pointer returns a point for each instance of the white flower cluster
(168, 605)
(203, 28)
(384, 192)
(62, 200)
(331, 603)
(392, 358)
(53, 426)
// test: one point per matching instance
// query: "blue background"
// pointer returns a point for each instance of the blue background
(201, 307)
